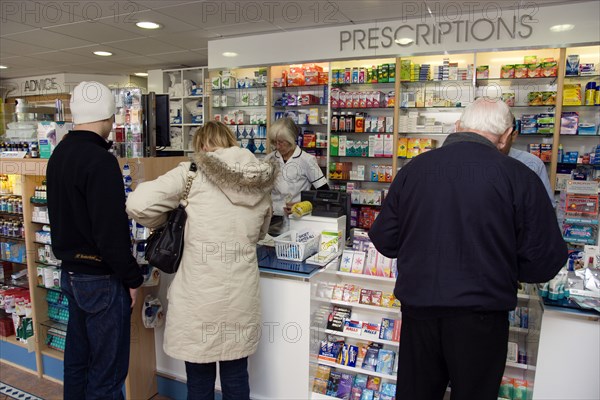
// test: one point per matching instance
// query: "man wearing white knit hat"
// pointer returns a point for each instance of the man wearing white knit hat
(90, 235)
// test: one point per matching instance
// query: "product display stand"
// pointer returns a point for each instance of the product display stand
(141, 381)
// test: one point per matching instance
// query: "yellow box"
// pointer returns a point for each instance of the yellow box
(413, 148)
(402, 144)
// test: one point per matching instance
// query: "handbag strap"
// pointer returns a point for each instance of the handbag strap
(188, 184)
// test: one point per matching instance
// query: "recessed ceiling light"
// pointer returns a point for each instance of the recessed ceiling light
(147, 25)
(3, 67)
(141, 74)
(562, 28)
(103, 53)
(404, 41)
(229, 54)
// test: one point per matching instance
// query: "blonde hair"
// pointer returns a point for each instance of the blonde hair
(213, 134)
(283, 129)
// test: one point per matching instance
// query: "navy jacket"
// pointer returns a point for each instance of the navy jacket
(466, 223)
(86, 206)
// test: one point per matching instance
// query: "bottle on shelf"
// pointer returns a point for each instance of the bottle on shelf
(350, 122)
(342, 122)
(560, 153)
(335, 119)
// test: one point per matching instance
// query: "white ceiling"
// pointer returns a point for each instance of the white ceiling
(47, 37)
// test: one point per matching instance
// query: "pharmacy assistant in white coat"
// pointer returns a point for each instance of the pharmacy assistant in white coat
(297, 174)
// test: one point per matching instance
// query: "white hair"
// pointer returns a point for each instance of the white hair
(283, 129)
(488, 115)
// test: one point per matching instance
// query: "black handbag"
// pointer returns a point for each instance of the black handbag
(164, 246)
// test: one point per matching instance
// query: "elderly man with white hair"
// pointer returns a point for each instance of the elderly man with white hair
(466, 223)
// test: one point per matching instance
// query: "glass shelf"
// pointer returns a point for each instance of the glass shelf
(433, 108)
(22, 282)
(597, 107)
(48, 288)
(361, 133)
(424, 133)
(304, 106)
(357, 180)
(540, 106)
(547, 79)
(241, 106)
(379, 158)
(18, 239)
(55, 325)
(14, 262)
(382, 84)
(240, 89)
(302, 87)
(8, 214)
(582, 76)
(47, 263)
(361, 108)
(431, 82)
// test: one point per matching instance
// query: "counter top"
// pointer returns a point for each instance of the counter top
(566, 307)
(268, 263)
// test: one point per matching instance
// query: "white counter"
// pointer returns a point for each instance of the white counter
(568, 366)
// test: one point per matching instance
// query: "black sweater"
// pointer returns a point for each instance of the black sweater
(466, 223)
(86, 206)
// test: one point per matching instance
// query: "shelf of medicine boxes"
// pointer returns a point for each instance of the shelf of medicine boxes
(375, 313)
(587, 114)
(189, 87)
(233, 83)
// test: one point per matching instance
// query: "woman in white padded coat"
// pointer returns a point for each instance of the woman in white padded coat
(214, 300)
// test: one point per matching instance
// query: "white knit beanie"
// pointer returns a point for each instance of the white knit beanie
(91, 102)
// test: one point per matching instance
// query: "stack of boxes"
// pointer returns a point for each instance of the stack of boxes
(447, 71)
(16, 302)
(251, 137)
(384, 73)
(542, 124)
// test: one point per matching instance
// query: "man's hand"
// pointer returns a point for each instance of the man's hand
(133, 293)
(288, 209)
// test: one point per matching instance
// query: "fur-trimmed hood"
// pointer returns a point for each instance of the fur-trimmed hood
(243, 178)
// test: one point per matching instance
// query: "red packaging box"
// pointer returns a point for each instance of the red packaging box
(7, 328)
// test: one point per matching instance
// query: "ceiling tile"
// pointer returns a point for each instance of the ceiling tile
(19, 62)
(8, 27)
(140, 61)
(189, 40)
(95, 32)
(318, 14)
(89, 52)
(144, 46)
(169, 25)
(102, 67)
(19, 48)
(214, 13)
(62, 57)
(118, 10)
(38, 14)
(49, 40)
(180, 57)
(239, 29)
(160, 4)
(29, 72)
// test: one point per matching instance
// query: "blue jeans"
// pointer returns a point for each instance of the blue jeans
(98, 332)
(234, 380)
